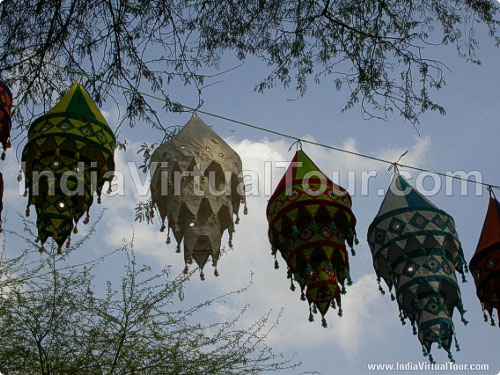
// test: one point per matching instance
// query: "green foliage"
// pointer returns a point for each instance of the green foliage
(54, 320)
(378, 50)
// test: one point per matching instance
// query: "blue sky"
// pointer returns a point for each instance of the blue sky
(465, 139)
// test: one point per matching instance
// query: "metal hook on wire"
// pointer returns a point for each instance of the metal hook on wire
(395, 164)
(492, 193)
(298, 143)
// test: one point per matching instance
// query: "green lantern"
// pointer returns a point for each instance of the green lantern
(68, 157)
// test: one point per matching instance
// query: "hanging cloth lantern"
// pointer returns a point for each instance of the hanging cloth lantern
(5, 114)
(197, 186)
(1, 200)
(5, 126)
(68, 157)
(416, 249)
(310, 219)
(485, 264)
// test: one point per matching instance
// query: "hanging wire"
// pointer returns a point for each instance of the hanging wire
(297, 140)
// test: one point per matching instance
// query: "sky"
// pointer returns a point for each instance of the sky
(466, 139)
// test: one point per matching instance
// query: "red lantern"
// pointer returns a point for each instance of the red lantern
(485, 264)
(5, 114)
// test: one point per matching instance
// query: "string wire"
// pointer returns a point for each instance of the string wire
(297, 140)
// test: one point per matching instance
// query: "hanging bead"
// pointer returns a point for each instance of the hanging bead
(216, 273)
(424, 351)
(202, 276)
(245, 210)
(276, 265)
(349, 280)
(450, 357)
(178, 248)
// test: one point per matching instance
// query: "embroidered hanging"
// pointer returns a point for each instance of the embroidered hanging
(416, 249)
(485, 264)
(68, 157)
(5, 116)
(197, 186)
(310, 219)
(5, 127)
